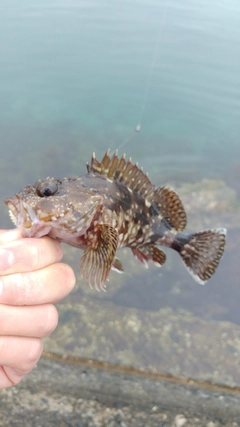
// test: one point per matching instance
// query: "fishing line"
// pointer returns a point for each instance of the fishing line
(128, 139)
(149, 78)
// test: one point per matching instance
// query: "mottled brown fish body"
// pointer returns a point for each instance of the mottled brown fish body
(115, 205)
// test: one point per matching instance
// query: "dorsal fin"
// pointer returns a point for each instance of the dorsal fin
(170, 206)
(124, 171)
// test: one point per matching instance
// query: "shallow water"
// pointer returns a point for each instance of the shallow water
(77, 77)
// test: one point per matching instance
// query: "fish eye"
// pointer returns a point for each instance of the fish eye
(46, 189)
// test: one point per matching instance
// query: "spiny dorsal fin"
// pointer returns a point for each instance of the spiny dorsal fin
(170, 206)
(95, 165)
(123, 171)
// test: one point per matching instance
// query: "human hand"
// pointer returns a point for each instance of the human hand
(31, 280)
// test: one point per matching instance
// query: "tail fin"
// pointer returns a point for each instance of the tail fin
(202, 252)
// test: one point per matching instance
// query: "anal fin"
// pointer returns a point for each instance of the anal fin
(97, 259)
(151, 252)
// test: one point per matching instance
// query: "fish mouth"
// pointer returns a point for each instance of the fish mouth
(24, 217)
(19, 212)
(13, 211)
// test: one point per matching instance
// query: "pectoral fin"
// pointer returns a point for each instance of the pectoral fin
(97, 259)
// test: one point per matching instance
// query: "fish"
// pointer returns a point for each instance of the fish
(115, 205)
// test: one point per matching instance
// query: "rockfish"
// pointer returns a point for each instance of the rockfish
(115, 205)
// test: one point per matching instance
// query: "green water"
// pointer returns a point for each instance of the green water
(78, 76)
(77, 72)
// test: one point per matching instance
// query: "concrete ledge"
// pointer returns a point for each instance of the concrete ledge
(61, 393)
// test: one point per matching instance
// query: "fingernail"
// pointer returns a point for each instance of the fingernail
(6, 259)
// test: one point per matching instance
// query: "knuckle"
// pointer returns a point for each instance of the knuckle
(15, 379)
(19, 355)
(34, 256)
(34, 353)
(51, 320)
(23, 287)
(26, 255)
(2, 346)
(15, 289)
(2, 318)
(19, 288)
(70, 277)
(56, 249)
(45, 251)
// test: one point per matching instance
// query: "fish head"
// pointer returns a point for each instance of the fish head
(54, 207)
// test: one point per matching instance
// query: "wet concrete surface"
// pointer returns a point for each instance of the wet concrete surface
(63, 393)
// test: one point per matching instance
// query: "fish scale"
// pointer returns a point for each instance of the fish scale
(115, 205)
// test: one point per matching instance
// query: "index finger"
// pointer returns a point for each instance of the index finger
(7, 236)
(28, 254)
